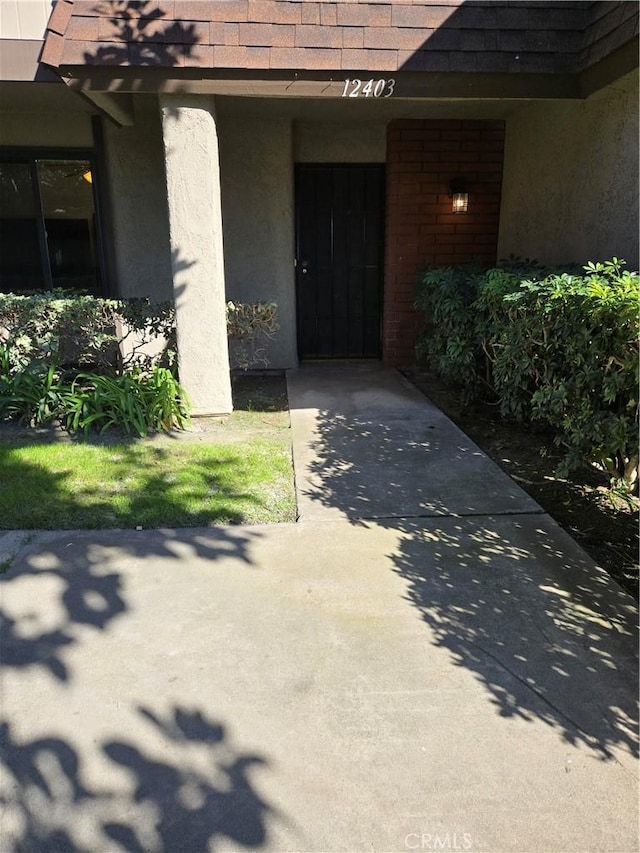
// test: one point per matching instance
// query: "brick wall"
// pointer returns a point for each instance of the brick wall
(421, 230)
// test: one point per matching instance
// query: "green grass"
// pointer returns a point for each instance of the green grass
(236, 471)
(51, 486)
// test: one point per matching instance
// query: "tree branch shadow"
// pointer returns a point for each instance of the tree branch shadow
(191, 789)
(504, 591)
(174, 781)
(140, 35)
(548, 637)
(81, 593)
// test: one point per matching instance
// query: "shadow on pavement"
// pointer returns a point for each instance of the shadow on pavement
(84, 591)
(547, 636)
(507, 593)
(195, 796)
(180, 783)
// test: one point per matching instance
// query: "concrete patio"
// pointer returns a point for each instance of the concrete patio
(424, 661)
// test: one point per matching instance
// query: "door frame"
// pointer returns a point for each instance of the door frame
(298, 167)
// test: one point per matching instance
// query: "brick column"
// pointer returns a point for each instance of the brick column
(421, 230)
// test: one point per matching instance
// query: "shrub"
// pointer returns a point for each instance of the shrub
(553, 346)
(85, 330)
(113, 335)
(249, 325)
(446, 297)
(45, 338)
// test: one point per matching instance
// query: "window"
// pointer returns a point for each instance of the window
(48, 228)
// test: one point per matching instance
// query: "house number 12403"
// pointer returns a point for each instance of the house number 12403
(368, 89)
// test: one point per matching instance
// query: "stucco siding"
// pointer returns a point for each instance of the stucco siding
(328, 142)
(570, 189)
(46, 131)
(190, 141)
(256, 167)
(135, 164)
(31, 116)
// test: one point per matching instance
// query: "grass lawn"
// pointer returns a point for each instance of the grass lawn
(231, 471)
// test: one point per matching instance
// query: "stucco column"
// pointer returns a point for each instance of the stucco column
(195, 225)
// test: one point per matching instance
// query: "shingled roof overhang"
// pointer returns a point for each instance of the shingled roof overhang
(297, 48)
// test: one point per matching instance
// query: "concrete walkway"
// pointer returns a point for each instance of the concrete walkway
(425, 661)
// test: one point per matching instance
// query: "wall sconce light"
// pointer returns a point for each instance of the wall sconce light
(459, 195)
(88, 177)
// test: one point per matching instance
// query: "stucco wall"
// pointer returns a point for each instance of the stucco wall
(258, 219)
(570, 190)
(135, 164)
(327, 142)
(31, 115)
(190, 141)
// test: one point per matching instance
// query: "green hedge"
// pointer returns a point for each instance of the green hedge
(83, 330)
(555, 346)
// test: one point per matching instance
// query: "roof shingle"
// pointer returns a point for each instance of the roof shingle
(377, 35)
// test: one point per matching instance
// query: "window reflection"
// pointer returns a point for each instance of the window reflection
(67, 207)
(47, 225)
(20, 262)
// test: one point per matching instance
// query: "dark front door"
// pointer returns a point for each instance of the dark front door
(339, 222)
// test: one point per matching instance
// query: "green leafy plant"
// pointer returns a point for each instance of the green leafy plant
(29, 391)
(445, 298)
(555, 346)
(84, 330)
(46, 338)
(135, 402)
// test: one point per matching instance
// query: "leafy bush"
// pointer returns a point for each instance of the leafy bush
(553, 346)
(446, 297)
(45, 337)
(249, 324)
(114, 335)
(85, 330)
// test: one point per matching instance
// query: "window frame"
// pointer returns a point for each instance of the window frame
(29, 155)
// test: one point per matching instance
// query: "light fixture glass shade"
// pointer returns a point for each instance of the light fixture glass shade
(88, 176)
(460, 202)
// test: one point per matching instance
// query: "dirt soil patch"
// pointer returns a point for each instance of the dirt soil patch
(602, 521)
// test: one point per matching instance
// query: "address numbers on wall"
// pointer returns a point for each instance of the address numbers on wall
(368, 88)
